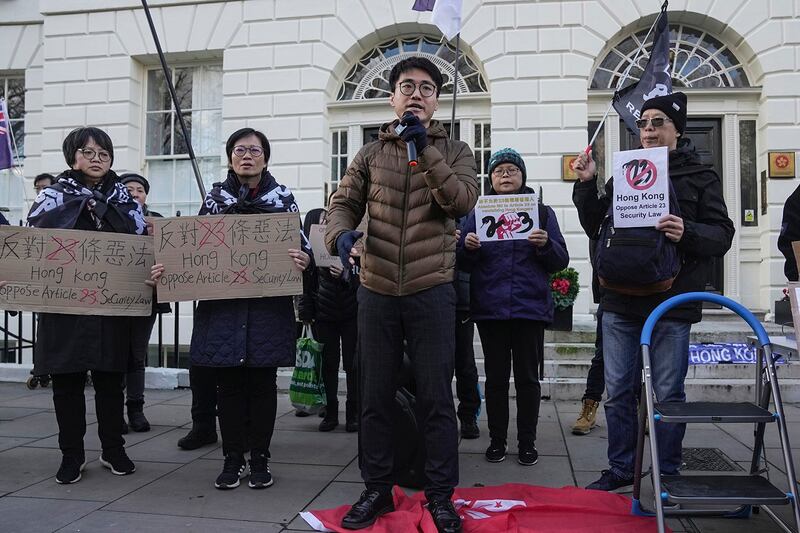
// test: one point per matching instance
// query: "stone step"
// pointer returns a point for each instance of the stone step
(739, 389)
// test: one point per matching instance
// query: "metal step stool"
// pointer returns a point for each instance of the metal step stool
(731, 495)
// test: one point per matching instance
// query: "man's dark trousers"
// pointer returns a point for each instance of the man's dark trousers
(425, 320)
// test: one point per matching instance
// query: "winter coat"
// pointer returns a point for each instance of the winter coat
(511, 279)
(707, 232)
(410, 244)
(77, 343)
(790, 231)
(252, 332)
(335, 298)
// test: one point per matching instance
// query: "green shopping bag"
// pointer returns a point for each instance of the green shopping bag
(307, 390)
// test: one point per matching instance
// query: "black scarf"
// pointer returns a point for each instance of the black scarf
(231, 197)
(61, 204)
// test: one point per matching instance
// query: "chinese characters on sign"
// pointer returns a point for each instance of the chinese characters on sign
(641, 187)
(227, 256)
(506, 217)
(75, 272)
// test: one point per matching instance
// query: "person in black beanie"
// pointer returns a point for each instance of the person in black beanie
(701, 232)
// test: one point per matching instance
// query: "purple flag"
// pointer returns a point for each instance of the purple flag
(423, 5)
(6, 156)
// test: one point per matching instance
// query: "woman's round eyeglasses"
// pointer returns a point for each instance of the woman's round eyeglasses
(89, 154)
(500, 172)
(255, 151)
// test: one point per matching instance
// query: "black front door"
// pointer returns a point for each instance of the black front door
(706, 134)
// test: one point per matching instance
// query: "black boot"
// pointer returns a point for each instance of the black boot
(331, 420)
(136, 419)
(197, 438)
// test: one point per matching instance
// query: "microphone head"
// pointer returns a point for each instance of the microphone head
(408, 115)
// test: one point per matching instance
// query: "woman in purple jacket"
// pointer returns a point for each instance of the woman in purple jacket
(511, 304)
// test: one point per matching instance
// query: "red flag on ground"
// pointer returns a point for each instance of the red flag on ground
(508, 509)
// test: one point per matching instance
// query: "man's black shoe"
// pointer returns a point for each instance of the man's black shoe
(197, 439)
(352, 426)
(445, 516)
(470, 429)
(367, 509)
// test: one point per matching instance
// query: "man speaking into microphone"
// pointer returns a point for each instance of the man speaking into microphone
(406, 292)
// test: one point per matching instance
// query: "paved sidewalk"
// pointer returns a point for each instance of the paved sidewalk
(172, 490)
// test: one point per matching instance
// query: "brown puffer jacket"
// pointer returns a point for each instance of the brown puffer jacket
(410, 243)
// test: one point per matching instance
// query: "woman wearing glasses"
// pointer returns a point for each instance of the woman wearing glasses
(245, 340)
(88, 196)
(511, 304)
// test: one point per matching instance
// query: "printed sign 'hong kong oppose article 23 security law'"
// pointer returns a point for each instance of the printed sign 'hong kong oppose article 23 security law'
(641, 187)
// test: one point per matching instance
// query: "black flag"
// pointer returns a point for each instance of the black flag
(655, 80)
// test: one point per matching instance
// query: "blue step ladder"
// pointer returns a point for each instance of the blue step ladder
(733, 496)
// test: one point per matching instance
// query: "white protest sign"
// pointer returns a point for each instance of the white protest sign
(506, 217)
(641, 187)
(316, 236)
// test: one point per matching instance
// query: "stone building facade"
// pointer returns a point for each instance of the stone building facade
(536, 76)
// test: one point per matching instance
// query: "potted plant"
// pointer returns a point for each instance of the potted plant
(564, 287)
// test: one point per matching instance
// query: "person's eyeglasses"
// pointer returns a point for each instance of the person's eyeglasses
(425, 89)
(255, 151)
(657, 122)
(89, 154)
(500, 172)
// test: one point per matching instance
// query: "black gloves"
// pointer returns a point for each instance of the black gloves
(345, 243)
(414, 131)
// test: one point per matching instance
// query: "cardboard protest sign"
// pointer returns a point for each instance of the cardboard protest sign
(75, 272)
(506, 217)
(227, 256)
(321, 255)
(641, 187)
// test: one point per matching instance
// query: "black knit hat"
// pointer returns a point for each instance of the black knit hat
(126, 178)
(508, 155)
(673, 105)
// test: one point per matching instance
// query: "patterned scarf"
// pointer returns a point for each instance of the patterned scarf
(61, 204)
(231, 197)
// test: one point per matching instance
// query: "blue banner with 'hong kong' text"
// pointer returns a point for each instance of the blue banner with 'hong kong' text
(711, 354)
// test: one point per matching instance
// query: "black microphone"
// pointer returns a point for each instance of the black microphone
(411, 146)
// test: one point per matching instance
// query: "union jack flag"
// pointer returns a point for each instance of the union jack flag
(6, 155)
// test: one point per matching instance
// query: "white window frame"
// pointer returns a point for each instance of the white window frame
(176, 159)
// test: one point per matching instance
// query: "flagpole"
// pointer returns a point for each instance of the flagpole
(175, 103)
(625, 77)
(455, 88)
